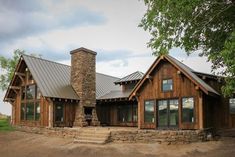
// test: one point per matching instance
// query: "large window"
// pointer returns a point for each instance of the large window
(232, 105)
(127, 113)
(188, 110)
(30, 102)
(149, 111)
(168, 113)
(167, 85)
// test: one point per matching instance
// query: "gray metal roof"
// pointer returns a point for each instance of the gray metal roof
(53, 79)
(104, 84)
(192, 74)
(132, 77)
(115, 94)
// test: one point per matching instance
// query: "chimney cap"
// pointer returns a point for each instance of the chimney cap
(84, 50)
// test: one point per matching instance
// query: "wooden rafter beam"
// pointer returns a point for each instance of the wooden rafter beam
(15, 87)
(9, 99)
(20, 74)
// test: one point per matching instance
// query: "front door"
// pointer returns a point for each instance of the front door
(59, 114)
(168, 113)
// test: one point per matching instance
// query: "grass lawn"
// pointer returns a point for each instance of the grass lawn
(4, 125)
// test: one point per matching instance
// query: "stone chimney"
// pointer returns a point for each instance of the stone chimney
(83, 81)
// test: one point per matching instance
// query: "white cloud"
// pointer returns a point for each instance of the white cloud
(119, 34)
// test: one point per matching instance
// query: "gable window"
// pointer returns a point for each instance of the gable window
(167, 85)
(188, 110)
(149, 111)
(30, 99)
(30, 102)
(232, 105)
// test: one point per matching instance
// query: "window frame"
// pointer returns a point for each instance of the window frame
(154, 111)
(25, 101)
(194, 114)
(233, 113)
(168, 113)
(131, 107)
(170, 90)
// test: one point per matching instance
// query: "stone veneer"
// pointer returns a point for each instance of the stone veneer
(159, 136)
(83, 80)
(132, 136)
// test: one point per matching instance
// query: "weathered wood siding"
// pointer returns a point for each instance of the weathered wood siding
(107, 113)
(217, 112)
(182, 87)
(69, 114)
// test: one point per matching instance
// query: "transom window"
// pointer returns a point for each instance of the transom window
(232, 105)
(167, 85)
(149, 111)
(188, 110)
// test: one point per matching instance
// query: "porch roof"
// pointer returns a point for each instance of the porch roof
(115, 95)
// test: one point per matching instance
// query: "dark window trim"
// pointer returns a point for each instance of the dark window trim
(154, 111)
(194, 114)
(167, 78)
(132, 114)
(54, 117)
(25, 101)
(168, 105)
(233, 113)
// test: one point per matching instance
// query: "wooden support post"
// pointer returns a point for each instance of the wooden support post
(50, 116)
(200, 109)
(139, 112)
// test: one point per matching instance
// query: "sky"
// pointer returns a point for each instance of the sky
(52, 28)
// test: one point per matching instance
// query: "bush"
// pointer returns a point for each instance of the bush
(5, 124)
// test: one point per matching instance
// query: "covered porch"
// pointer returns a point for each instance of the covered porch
(118, 112)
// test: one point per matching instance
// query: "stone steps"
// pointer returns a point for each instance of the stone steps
(93, 136)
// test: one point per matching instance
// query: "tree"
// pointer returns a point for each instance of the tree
(205, 25)
(8, 66)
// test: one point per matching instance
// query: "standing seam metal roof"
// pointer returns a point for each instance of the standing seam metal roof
(53, 79)
(134, 76)
(193, 75)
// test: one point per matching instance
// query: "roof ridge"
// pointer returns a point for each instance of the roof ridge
(192, 70)
(43, 59)
(127, 76)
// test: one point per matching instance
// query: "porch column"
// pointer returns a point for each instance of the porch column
(50, 117)
(139, 113)
(13, 113)
(200, 109)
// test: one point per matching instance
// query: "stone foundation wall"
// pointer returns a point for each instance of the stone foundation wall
(54, 132)
(152, 136)
(137, 136)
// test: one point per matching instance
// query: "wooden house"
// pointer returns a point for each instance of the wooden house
(170, 95)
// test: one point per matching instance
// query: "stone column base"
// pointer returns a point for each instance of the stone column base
(94, 121)
(81, 123)
(80, 120)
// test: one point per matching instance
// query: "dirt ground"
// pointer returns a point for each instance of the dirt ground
(20, 144)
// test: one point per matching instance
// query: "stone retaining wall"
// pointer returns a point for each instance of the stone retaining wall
(55, 132)
(151, 136)
(130, 136)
